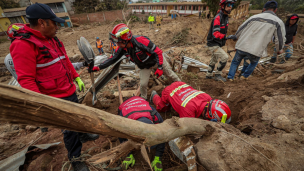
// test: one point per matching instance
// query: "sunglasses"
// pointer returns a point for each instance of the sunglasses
(230, 5)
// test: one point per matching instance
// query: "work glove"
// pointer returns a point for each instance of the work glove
(94, 69)
(85, 63)
(157, 164)
(80, 84)
(44, 129)
(159, 72)
(233, 37)
(129, 161)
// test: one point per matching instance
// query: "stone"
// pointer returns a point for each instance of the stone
(302, 127)
(40, 163)
(108, 95)
(31, 128)
(193, 68)
(75, 58)
(282, 122)
(127, 79)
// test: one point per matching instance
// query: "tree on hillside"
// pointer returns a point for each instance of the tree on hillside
(85, 6)
(288, 5)
(214, 5)
(4, 4)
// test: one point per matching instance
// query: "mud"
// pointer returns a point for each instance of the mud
(266, 109)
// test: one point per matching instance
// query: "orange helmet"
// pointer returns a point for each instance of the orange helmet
(121, 33)
(216, 109)
(13, 28)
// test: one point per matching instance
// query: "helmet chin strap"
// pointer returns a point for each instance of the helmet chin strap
(223, 9)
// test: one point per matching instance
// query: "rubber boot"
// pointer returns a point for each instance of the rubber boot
(153, 93)
(80, 166)
(218, 77)
(85, 137)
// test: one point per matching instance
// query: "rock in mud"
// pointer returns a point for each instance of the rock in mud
(108, 95)
(41, 163)
(282, 122)
(31, 128)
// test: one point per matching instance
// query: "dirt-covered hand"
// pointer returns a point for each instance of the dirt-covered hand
(157, 164)
(129, 161)
(80, 84)
(158, 72)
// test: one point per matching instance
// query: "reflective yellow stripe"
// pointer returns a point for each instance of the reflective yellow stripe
(178, 88)
(191, 97)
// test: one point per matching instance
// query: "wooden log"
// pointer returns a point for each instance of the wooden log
(23, 106)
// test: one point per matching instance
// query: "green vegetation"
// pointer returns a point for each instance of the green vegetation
(4, 4)
(214, 5)
(87, 6)
(290, 6)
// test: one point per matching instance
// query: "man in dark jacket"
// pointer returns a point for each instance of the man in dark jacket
(217, 39)
(291, 28)
(143, 52)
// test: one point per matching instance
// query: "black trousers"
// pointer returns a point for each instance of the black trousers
(160, 148)
(71, 139)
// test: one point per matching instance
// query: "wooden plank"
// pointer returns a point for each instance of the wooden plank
(128, 93)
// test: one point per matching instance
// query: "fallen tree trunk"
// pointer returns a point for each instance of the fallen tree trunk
(222, 147)
(22, 106)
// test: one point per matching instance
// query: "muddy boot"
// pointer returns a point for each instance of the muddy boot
(218, 77)
(153, 93)
(240, 74)
(85, 137)
(273, 60)
(80, 166)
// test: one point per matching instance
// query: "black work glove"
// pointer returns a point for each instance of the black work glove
(233, 37)
(44, 129)
(85, 63)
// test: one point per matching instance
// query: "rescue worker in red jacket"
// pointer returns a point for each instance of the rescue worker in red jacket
(143, 52)
(137, 108)
(217, 39)
(188, 102)
(42, 66)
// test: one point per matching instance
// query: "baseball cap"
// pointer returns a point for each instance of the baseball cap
(42, 11)
(294, 17)
(269, 2)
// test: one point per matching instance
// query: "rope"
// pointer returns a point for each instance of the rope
(253, 148)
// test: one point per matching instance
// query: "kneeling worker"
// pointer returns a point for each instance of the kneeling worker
(188, 102)
(143, 52)
(137, 108)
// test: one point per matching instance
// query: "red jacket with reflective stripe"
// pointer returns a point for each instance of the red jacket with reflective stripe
(144, 53)
(42, 64)
(185, 100)
(134, 104)
(218, 30)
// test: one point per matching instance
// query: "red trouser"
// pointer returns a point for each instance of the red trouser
(160, 105)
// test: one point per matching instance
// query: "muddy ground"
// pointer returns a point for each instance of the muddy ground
(267, 108)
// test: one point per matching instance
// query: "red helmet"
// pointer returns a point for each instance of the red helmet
(120, 33)
(223, 2)
(216, 109)
(13, 28)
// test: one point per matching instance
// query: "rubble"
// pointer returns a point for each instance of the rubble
(282, 122)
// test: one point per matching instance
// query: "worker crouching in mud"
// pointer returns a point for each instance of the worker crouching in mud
(143, 52)
(188, 102)
(137, 108)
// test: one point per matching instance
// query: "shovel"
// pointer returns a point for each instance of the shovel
(88, 54)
